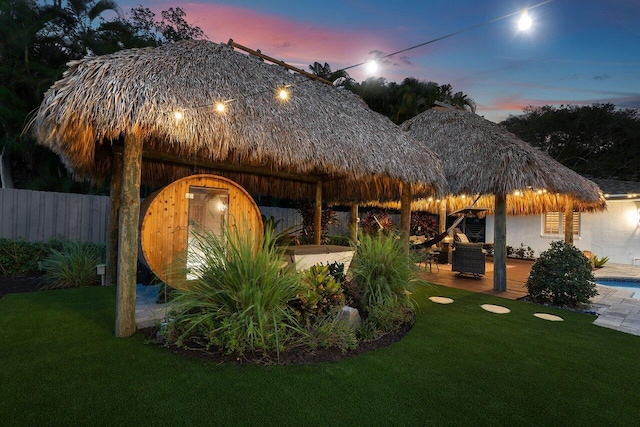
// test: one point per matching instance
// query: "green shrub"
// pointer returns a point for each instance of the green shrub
(330, 331)
(240, 301)
(599, 262)
(562, 276)
(383, 270)
(339, 240)
(318, 293)
(21, 258)
(74, 265)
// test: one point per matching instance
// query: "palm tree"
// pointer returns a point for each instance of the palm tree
(338, 78)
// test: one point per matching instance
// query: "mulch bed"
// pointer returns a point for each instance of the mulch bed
(10, 285)
(295, 357)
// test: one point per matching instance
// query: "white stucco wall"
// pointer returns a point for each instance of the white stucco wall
(614, 233)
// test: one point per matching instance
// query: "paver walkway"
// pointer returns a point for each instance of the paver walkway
(615, 307)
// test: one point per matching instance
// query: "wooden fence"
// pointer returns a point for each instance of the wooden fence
(39, 216)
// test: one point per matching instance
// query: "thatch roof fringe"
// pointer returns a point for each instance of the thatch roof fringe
(320, 130)
(479, 157)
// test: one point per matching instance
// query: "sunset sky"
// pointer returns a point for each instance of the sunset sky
(577, 52)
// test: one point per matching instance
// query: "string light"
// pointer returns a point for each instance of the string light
(525, 21)
(455, 33)
(283, 94)
(372, 65)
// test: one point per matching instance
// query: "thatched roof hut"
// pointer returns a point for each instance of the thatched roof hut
(150, 115)
(481, 158)
(269, 146)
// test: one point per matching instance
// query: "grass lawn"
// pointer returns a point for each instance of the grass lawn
(61, 365)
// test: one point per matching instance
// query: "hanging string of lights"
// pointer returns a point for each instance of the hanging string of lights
(524, 24)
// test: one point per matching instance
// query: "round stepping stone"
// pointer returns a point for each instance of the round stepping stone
(498, 309)
(441, 300)
(547, 316)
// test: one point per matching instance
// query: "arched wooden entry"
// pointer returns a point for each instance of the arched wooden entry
(166, 215)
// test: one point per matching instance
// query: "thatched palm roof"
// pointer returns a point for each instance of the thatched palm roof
(321, 132)
(481, 158)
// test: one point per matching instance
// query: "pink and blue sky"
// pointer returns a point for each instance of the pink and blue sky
(577, 51)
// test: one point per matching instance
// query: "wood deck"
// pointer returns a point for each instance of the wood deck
(517, 274)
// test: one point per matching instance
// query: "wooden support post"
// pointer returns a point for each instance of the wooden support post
(442, 215)
(128, 237)
(353, 224)
(317, 217)
(500, 244)
(568, 223)
(405, 213)
(112, 225)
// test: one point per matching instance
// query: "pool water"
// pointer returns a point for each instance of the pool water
(624, 285)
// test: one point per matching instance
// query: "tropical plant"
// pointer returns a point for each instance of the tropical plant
(240, 299)
(377, 221)
(383, 270)
(423, 224)
(19, 257)
(318, 293)
(599, 262)
(562, 276)
(74, 265)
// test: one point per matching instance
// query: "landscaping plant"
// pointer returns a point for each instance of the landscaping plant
(72, 266)
(20, 258)
(599, 262)
(561, 276)
(240, 299)
(383, 272)
(318, 293)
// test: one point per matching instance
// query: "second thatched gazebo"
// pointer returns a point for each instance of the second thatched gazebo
(481, 158)
(151, 115)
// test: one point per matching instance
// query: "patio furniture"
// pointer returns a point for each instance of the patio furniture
(428, 257)
(468, 258)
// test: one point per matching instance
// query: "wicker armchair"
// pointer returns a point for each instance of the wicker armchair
(468, 258)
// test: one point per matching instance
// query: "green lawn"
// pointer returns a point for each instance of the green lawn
(61, 365)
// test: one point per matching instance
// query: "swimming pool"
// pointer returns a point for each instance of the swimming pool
(622, 284)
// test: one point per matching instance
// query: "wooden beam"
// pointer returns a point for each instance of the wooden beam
(157, 156)
(317, 217)
(128, 238)
(115, 194)
(353, 224)
(500, 244)
(405, 213)
(568, 223)
(278, 62)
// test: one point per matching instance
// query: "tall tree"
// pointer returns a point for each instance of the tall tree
(599, 140)
(37, 40)
(402, 101)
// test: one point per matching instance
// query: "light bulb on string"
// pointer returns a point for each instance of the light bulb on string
(372, 66)
(525, 21)
(178, 115)
(221, 107)
(283, 93)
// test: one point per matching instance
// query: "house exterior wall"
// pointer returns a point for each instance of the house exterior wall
(614, 233)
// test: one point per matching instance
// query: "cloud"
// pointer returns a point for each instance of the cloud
(603, 77)
(296, 42)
